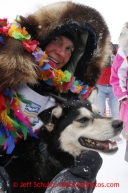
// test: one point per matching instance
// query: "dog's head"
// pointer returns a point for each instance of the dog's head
(75, 126)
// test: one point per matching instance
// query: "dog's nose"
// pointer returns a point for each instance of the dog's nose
(118, 125)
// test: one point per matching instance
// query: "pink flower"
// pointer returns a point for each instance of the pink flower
(30, 45)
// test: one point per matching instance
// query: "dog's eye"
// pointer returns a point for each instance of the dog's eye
(83, 120)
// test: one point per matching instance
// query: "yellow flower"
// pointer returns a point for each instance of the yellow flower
(59, 75)
(12, 29)
(23, 31)
(15, 28)
(44, 56)
(79, 88)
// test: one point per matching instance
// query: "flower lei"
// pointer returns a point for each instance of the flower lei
(13, 124)
(62, 81)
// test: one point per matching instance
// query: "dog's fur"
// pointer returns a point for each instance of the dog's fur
(69, 129)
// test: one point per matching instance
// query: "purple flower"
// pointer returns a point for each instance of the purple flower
(37, 55)
(72, 86)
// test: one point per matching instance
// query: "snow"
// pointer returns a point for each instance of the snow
(114, 170)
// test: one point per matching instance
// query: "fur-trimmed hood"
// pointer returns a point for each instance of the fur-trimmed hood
(17, 65)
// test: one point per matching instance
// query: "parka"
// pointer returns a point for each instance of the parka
(93, 36)
(19, 69)
(45, 24)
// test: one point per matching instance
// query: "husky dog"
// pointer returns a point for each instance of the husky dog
(69, 129)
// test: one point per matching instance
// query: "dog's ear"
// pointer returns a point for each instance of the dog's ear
(50, 116)
(92, 99)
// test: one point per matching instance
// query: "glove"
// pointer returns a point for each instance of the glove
(92, 160)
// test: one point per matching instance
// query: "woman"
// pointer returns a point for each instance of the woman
(119, 80)
(33, 77)
(85, 27)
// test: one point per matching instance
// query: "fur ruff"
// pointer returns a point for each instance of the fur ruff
(62, 13)
(17, 65)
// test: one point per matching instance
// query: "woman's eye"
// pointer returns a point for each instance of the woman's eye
(56, 40)
(70, 50)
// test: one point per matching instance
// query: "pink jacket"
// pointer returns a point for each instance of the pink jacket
(119, 74)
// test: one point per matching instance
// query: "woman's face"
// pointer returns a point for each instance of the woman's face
(59, 50)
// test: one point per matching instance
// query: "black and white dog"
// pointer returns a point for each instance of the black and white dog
(69, 129)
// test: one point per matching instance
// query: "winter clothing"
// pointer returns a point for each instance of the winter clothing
(80, 178)
(38, 104)
(87, 27)
(72, 35)
(105, 76)
(44, 25)
(89, 50)
(119, 74)
(89, 54)
(123, 113)
(119, 78)
(103, 91)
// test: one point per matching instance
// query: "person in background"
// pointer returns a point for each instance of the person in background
(105, 90)
(119, 81)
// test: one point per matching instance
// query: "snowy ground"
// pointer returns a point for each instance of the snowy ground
(114, 170)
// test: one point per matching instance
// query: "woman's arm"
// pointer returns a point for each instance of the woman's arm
(119, 72)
